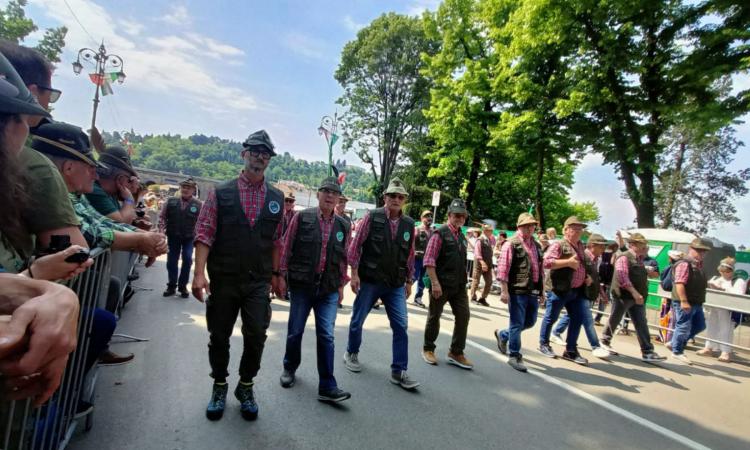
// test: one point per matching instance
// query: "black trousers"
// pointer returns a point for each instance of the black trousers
(230, 297)
(637, 315)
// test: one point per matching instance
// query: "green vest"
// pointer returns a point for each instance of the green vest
(305, 253)
(521, 273)
(181, 223)
(450, 264)
(384, 259)
(638, 277)
(239, 250)
(696, 285)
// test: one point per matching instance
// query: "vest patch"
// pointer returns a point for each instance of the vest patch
(193, 209)
(340, 236)
(274, 206)
(406, 235)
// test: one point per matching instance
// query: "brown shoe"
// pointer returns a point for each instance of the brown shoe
(109, 358)
(429, 357)
(460, 360)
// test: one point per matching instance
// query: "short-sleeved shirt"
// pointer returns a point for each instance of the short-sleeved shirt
(10, 260)
(49, 207)
(101, 201)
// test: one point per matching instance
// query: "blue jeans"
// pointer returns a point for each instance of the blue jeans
(588, 325)
(103, 325)
(687, 325)
(419, 272)
(179, 247)
(523, 310)
(575, 303)
(394, 300)
(324, 307)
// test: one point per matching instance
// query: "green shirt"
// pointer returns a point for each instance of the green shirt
(10, 260)
(98, 230)
(49, 207)
(101, 201)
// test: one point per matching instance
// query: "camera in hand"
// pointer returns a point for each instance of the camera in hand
(57, 243)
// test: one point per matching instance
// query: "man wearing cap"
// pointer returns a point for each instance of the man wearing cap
(49, 211)
(238, 236)
(445, 262)
(314, 261)
(423, 234)
(381, 256)
(340, 209)
(688, 296)
(288, 209)
(177, 220)
(629, 293)
(565, 259)
(593, 253)
(519, 270)
(483, 265)
(118, 182)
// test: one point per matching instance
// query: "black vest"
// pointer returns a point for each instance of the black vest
(450, 264)
(239, 250)
(181, 223)
(420, 243)
(305, 253)
(384, 259)
(486, 248)
(696, 285)
(638, 278)
(562, 278)
(521, 275)
(592, 291)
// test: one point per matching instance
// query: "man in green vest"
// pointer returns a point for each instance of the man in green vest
(314, 261)
(445, 260)
(381, 256)
(177, 221)
(238, 236)
(423, 233)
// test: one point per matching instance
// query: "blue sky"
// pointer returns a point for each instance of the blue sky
(228, 68)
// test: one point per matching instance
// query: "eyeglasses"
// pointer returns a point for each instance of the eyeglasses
(260, 155)
(396, 196)
(329, 191)
(54, 94)
(288, 200)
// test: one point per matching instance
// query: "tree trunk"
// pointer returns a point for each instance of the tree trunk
(675, 182)
(476, 160)
(538, 191)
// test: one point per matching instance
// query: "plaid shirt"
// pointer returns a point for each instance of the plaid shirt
(622, 270)
(98, 230)
(363, 230)
(478, 248)
(434, 244)
(555, 251)
(682, 271)
(326, 226)
(505, 259)
(252, 197)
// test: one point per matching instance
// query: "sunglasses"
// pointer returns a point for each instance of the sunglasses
(260, 155)
(329, 191)
(288, 200)
(396, 196)
(54, 93)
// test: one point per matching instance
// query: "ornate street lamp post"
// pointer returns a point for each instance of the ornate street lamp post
(328, 128)
(104, 64)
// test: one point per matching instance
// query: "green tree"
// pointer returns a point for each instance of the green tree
(15, 27)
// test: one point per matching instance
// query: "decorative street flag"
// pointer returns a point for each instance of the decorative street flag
(334, 138)
(104, 81)
(107, 87)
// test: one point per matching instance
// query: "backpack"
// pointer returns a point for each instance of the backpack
(666, 278)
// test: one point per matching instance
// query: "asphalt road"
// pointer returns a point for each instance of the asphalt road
(158, 400)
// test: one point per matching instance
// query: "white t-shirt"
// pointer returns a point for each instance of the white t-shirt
(739, 286)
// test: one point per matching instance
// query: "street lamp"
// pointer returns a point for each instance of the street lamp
(328, 127)
(103, 64)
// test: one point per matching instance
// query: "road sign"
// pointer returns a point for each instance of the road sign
(436, 198)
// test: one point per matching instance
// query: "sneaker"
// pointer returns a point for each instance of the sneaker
(597, 323)
(557, 339)
(483, 302)
(623, 331)
(516, 362)
(460, 360)
(501, 344)
(547, 351)
(376, 305)
(110, 358)
(608, 348)
(575, 357)
(682, 358)
(335, 395)
(652, 357)
(215, 408)
(429, 357)
(184, 293)
(418, 302)
(601, 352)
(403, 380)
(474, 300)
(170, 291)
(287, 378)
(351, 362)
(248, 407)
(668, 345)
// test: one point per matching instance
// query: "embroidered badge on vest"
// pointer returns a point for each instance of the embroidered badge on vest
(406, 235)
(193, 209)
(274, 206)
(340, 236)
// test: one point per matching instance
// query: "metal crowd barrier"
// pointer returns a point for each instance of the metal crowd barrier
(52, 425)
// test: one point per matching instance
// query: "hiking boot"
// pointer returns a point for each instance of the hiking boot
(501, 344)
(351, 362)
(287, 378)
(184, 293)
(547, 351)
(482, 302)
(557, 339)
(601, 352)
(334, 395)
(215, 408)
(110, 358)
(403, 380)
(682, 358)
(516, 362)
(608, 348)
(460, 360)
(248, 407)
(575, 357)
(652, 357)
(170, 291)
(429, 357)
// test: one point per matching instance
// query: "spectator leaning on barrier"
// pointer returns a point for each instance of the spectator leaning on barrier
(423, 233)
(177, 221)
(118, 182)
(483, 265)
(239, 238)
(688, 296)
(719, 325)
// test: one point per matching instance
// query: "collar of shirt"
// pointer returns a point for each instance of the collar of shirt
(454, 230)
(594, 259)
(398, 216)
(324, 218)
(246, 181)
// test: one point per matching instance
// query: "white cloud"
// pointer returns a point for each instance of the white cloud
(417, 7)
(351, 24)
(131, 27)
(215, 47)
(306, 46)
(178, 15)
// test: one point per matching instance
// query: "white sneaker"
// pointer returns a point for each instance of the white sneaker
(609, 349)
(557, 339)
(601, 352)
(682, 358)
(351, 362)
